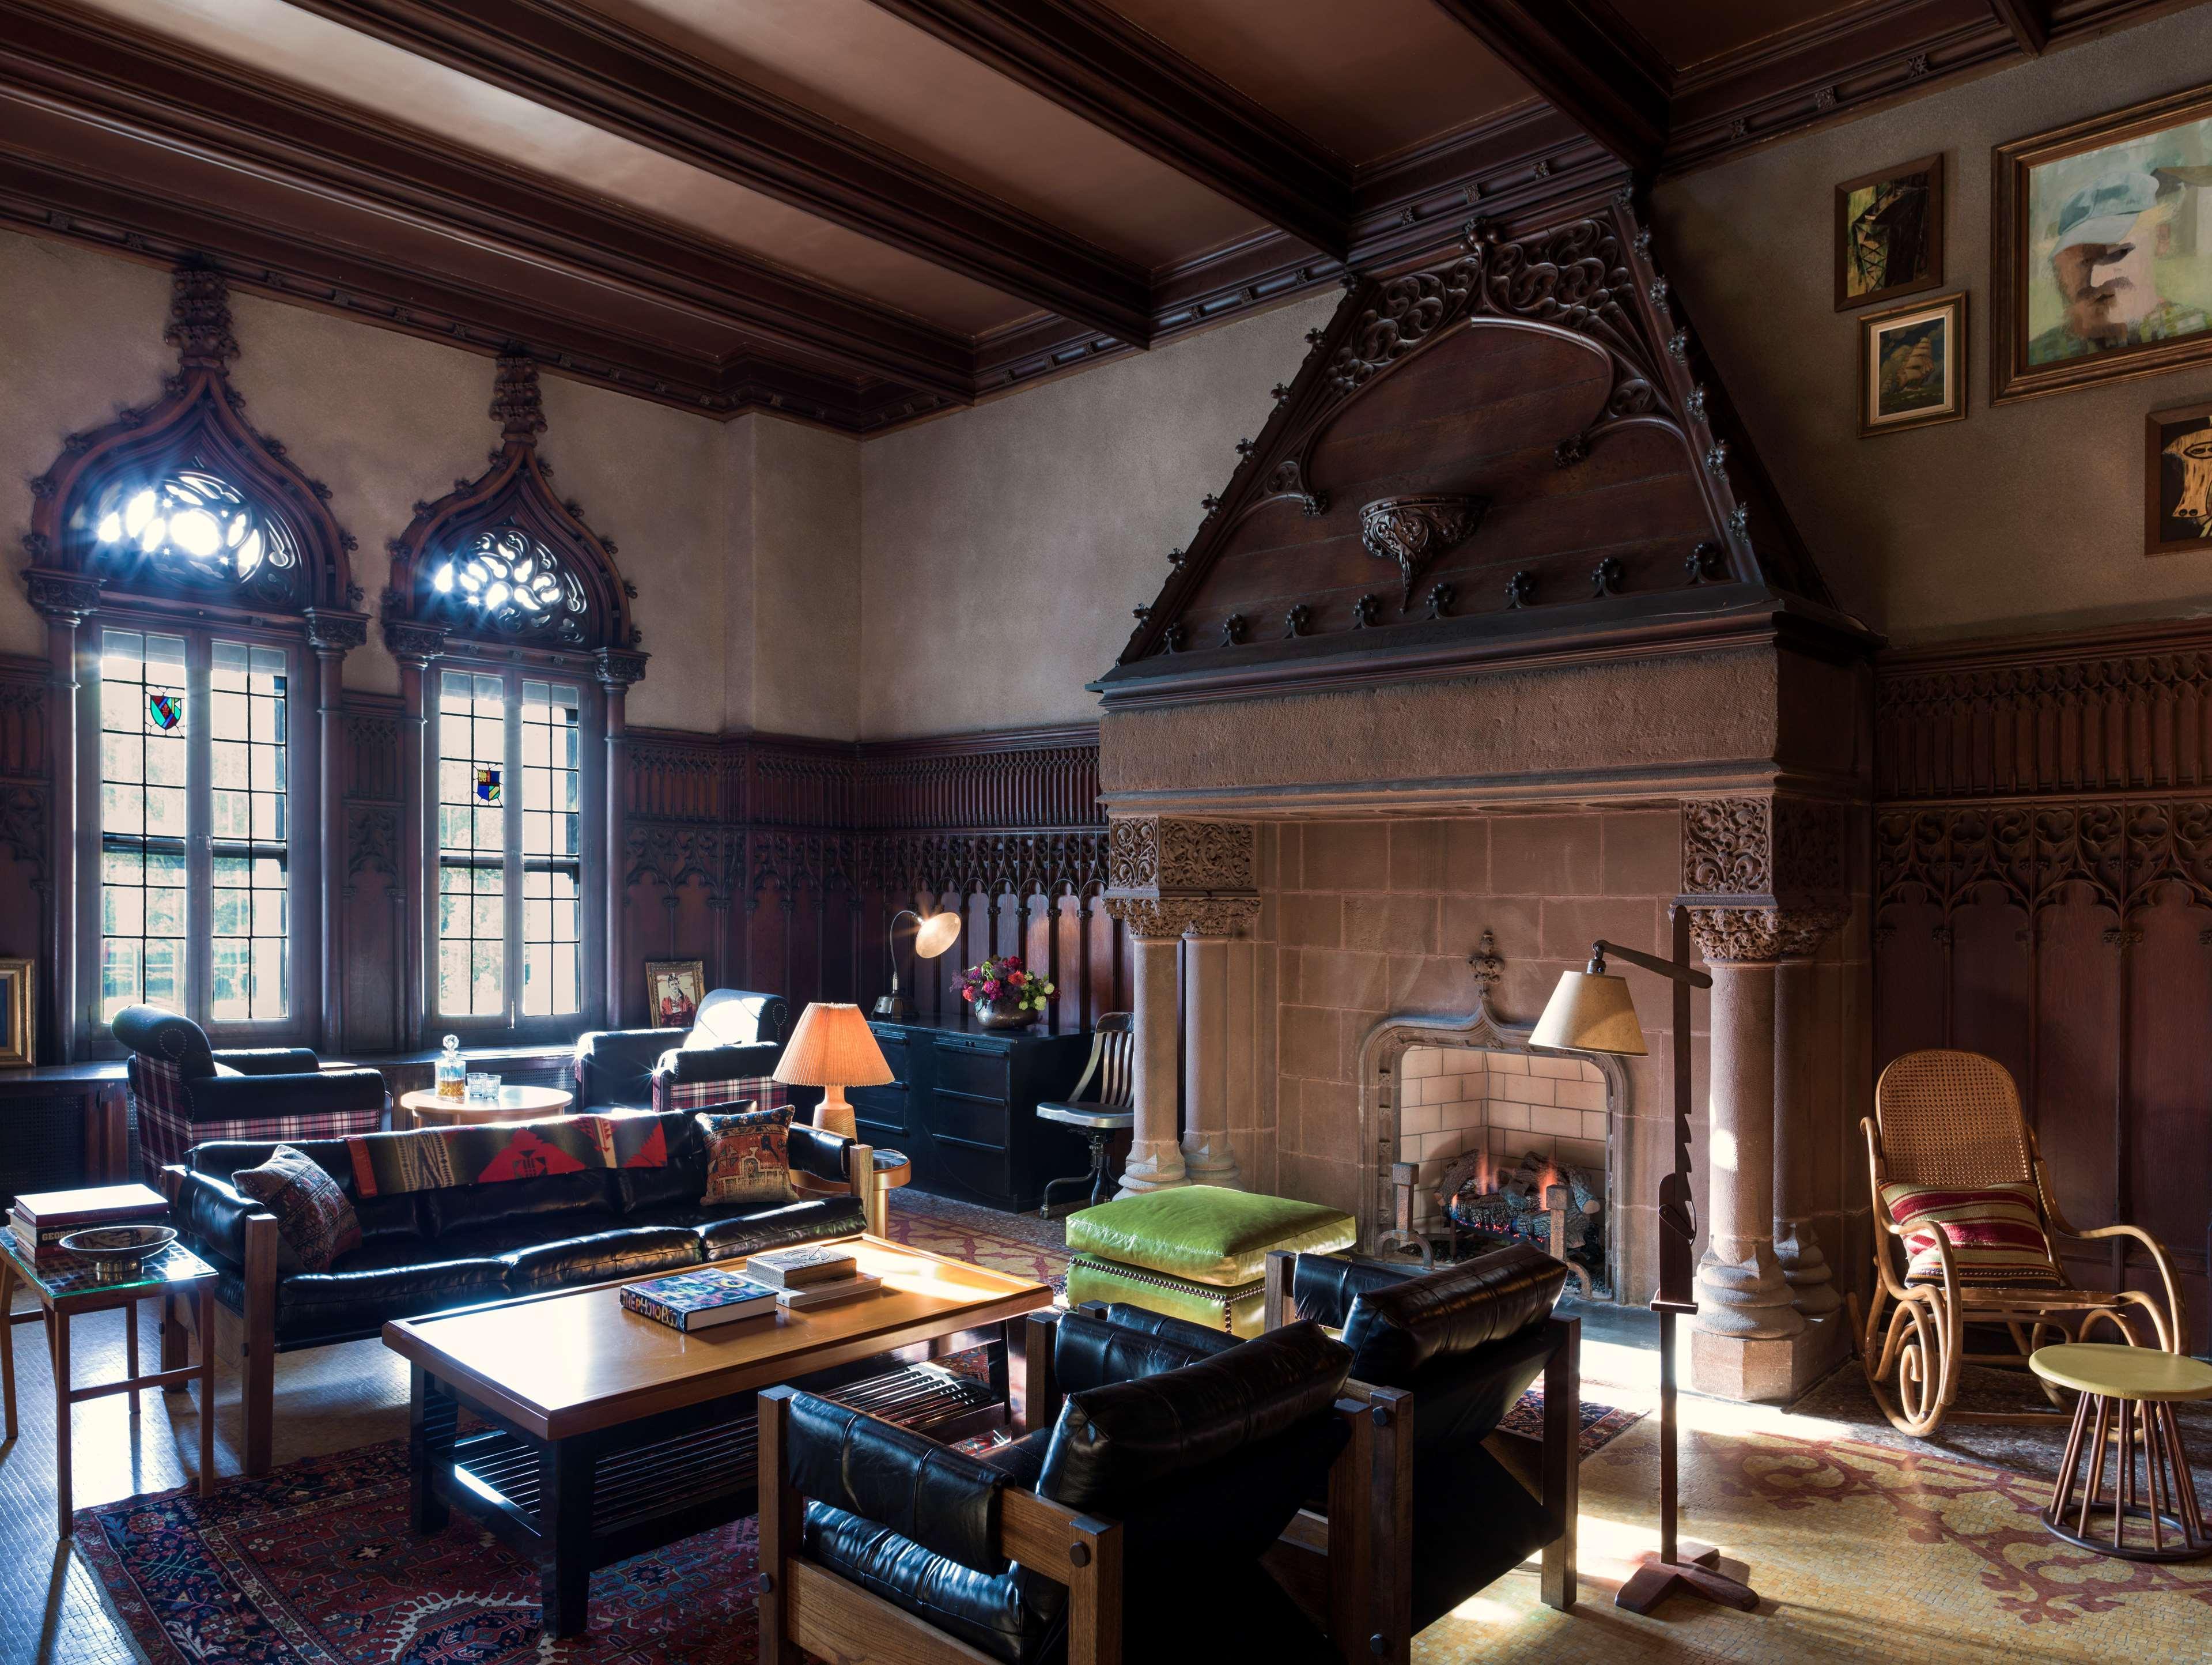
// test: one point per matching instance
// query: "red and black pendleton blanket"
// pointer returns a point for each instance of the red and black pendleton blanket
(434, 1158)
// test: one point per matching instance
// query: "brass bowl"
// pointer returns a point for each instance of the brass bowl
(119, 1251)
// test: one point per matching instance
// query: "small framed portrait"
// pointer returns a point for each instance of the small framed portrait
(673, 989)
(2101, 249)
(2178, 482)
(1889, 233)
(1913, 365)
(19, 1014)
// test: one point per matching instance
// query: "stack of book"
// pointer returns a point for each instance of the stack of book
(699, 1300)
(39, 1220)
(814, 1276)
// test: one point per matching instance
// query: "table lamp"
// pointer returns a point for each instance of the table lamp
(931, 937)
(1592, 1011)
(832, 1048)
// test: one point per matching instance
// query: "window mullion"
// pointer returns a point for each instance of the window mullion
(512, 825)
(199, 819)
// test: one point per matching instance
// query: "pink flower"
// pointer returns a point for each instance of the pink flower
(1018, 978)
(966, 993)
(990, 988)
(1012, 962)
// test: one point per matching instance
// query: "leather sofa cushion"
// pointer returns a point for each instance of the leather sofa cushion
(1393, 1332)
(942, 1499)
(361, 1291)
(987, 1610)
(629, 1251)
(542, 1201)
(1114, 1446)
(1206, 1233)
(1021, 1461)
(1091, 1352)
(730, 1236)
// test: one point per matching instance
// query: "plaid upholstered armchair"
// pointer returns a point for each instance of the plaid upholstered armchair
(726, 1059)
(183, 1092)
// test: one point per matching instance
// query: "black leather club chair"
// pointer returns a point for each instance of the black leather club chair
(1143, 1534)
(1443, 1356)
(733, 1044)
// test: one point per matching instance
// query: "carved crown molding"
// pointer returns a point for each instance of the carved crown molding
(1414, 530)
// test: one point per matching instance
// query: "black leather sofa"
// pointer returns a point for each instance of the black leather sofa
(432, 1251)
(1147, 1507)
(1454, 1503)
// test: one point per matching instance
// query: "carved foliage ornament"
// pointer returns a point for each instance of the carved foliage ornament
(1158, 854)
(1415, 531)
(1757, 847)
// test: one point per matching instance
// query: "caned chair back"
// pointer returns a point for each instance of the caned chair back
(1110, 1079)
(1951, 1118)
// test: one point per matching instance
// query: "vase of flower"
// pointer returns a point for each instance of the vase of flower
(1003, 993)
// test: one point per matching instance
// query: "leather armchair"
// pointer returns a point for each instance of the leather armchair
(723, 1059)
(1181, 1455)
(184, 1093)
(1452, 1503)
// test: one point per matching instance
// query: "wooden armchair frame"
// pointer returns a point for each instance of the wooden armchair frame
(1913, 1335)
(1370, 1522)
(806, 1608)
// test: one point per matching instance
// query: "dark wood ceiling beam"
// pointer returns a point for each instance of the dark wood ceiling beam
(1579, 69)
(1091, 62)
(623, 81)
(2031, 30)
(181, 104)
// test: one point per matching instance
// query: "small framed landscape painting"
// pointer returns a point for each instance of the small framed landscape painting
(673, 989)
(1889, 233)
(19, 1014)
(2178, 482)
(2102, 249)
(1913, 365)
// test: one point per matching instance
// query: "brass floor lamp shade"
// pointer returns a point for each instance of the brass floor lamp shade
(1593, 1010)
(931, 937)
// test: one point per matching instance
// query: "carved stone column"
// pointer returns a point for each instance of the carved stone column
(618, 668)
(1206, 1153)
(417, 647)
(1763, 879)
(64, 600)
(1796, 1033)
(1165, 878)
(1155, 1161)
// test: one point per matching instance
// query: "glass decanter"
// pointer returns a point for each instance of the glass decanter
(452, 1072)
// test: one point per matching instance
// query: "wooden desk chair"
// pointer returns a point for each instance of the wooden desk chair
(1113, 1066)
(1959, 1185)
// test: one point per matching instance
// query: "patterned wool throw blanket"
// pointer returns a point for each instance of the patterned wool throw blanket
(434, 1158)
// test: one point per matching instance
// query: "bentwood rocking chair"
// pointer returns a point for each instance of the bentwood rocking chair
(1960, 1186)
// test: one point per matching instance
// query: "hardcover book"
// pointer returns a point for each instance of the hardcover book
(40, 1240)
(98, 1204)
(798, 1268)
(823, 1295)
(698, 1300)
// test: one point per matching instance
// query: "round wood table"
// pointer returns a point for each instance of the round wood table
(2128, 1396)
(427, 1110)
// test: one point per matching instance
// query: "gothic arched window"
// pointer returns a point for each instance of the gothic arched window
(506, 582)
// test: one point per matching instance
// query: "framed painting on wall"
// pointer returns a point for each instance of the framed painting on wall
(19, 1014)
(1889, 233)
(673, 989)
(2178, 482)
(1913, 365)
(2101, 249)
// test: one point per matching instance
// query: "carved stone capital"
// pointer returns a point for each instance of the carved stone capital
(1217, 916)
(410, 642)
(1737, 936)
(1157, 855)
(620, 667)
(1149, 920)
(332, 632)
(1803, 930)
(61, 597)
(1768, 847)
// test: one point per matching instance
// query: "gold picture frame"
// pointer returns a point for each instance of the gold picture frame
(2101, 257)
(19, 1014)
(1889, 233)
(1913, 365)
(673, 989)
(2177, 481)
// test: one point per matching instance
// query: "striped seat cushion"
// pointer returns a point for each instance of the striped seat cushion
(1996, 1233)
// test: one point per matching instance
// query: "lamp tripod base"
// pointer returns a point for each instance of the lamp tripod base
(1694, 1572)
(895, 1007)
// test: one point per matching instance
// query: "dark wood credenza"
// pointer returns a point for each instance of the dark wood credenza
(962, 1107)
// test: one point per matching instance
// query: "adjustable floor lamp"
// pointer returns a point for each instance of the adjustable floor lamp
(1591, 1011)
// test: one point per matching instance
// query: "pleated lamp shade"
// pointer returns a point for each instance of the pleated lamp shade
(1590, 1012)
(833, 1047)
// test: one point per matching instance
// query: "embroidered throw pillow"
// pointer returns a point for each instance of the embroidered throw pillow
(747, 1155)
(1996, 1233)
(312, 1215)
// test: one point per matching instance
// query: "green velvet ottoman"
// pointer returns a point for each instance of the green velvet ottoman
(1198, 1252)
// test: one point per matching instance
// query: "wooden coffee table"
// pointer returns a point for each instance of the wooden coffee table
(610, 1434)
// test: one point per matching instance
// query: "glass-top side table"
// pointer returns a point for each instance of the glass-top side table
(68, 1288)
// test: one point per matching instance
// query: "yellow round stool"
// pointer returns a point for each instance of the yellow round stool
(2128, 1396)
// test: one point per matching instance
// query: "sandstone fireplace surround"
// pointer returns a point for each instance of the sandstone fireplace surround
(1309, 835)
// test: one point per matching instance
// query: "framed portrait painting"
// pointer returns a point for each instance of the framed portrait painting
(673, 989)
(19, 1014)
(2178, 482)
(1889, 233)
(1913, 365)
(2101, 257)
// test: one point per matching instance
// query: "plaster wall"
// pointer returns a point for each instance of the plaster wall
(804, 540)
(383, 419)
(1003, 547)
(2025, 516)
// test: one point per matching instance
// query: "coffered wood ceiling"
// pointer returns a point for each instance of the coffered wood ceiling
(859, 212)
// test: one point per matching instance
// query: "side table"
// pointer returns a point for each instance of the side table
(2128, 1396)
(426, 1110)
(70, 1288)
